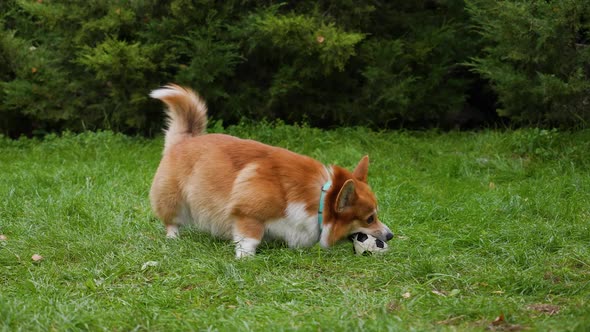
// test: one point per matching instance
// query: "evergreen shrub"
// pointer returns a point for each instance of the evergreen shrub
(90, 64)
(78, 65)
(537, 58)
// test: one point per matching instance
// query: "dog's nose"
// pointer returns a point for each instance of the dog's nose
(389, 236)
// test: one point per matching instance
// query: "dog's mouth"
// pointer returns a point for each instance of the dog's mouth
(384, 236)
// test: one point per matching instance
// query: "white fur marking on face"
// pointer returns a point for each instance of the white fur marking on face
(298, 228)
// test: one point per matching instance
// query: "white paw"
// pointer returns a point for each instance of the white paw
(246, 247)
(243, 254)
(171, 231)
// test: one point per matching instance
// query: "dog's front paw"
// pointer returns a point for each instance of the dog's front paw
(246, 247)
(171, 231)
(244, 254)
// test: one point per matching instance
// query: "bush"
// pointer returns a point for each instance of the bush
(537, 58)
(90, 64)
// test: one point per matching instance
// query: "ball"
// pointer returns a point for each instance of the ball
(365, 244)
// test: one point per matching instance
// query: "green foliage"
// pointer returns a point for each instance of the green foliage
(413, 75)
(120, 65)
(76, 73)
(291, 56)
(537, 57)
(90, 65)
(301, 39)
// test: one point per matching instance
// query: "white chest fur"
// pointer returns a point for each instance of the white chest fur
(298, 228)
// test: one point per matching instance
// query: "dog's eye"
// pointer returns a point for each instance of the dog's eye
(371, 219)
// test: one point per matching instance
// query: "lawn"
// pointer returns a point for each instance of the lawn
(492, 233)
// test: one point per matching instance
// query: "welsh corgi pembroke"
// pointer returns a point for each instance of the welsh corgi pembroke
(246, 191)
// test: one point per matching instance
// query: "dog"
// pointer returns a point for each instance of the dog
(247, 191)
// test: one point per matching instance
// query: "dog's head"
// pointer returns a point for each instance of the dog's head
(351, 207)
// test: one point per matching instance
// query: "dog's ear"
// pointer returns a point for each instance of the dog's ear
(346, 196)
(362, 169)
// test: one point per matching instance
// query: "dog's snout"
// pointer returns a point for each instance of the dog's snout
(389, 236)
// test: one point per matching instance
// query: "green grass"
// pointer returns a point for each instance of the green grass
(487, 224)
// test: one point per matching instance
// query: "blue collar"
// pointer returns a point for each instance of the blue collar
(325, 188)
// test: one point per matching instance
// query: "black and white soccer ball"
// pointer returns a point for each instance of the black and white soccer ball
(365, 244)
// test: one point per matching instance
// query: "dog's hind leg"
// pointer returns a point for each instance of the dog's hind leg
(166, 204)
(183, 216)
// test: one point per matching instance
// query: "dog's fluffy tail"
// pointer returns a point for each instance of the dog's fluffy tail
(187, 113)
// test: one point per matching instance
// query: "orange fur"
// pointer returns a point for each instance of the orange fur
(245, 190)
